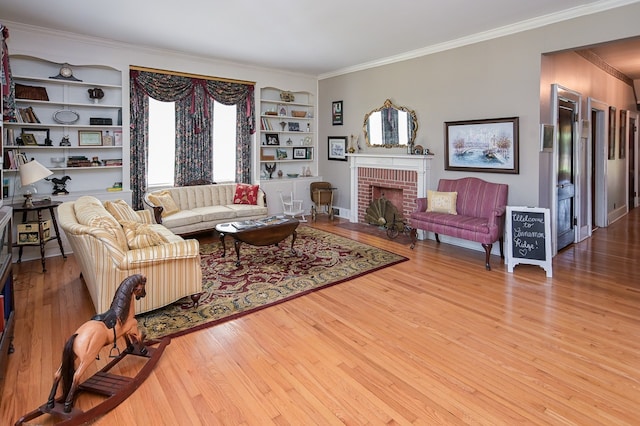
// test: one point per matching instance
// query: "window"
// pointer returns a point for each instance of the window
(162, 143)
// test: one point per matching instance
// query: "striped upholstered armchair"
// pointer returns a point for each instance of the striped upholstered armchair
(102, 246)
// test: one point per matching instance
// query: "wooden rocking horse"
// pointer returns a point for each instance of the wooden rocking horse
(84, 346)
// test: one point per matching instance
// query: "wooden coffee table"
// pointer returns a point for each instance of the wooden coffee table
(263, 235)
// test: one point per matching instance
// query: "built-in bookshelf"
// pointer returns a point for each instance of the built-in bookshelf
(287, 138)
(71, 125)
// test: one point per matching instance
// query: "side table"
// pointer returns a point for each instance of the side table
(38, 207)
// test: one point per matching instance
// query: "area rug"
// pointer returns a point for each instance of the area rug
(266, 276)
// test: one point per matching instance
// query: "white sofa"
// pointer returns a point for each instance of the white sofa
(188, 210)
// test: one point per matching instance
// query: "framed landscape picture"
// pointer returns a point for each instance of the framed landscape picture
(489, 145)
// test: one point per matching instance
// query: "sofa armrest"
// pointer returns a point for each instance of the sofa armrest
(421, 204)
(157, 210)
(185, 249)
(497, 218)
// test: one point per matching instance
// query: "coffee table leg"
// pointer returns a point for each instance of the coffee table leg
(224, 248)
(293, 240)
(237, 243)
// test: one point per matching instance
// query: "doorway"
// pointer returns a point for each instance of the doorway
(599, 115)
(632, 163)
(565, 186)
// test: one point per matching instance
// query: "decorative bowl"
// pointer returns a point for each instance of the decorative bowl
(298, 114)
(58, 161)
(293, 175)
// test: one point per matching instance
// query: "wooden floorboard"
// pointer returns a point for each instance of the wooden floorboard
(436, 340)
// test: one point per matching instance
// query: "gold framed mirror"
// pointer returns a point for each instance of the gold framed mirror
(390, 126)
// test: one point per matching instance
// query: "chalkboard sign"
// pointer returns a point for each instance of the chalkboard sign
(528, 237)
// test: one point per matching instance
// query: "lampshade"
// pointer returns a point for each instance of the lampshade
(32, 172)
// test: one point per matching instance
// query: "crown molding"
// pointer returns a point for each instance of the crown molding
(506, 30)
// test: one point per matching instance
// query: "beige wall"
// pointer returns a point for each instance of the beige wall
(492, 79)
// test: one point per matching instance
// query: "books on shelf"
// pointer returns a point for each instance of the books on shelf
(266, 124)
(78, 161)
(27, 115)
(13, 159)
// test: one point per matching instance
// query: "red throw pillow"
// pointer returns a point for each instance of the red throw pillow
(246, 194)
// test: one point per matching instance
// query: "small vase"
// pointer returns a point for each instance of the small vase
(279, 173)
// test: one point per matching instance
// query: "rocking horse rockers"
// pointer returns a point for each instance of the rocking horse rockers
(84, 346)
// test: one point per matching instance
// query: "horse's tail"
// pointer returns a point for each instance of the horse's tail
(68, 368)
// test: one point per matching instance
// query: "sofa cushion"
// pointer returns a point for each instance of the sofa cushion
(182, 218)
(141, 235)
(468, 223)
(245, 210)
(215, 213)
(164, 199)
(246, 194)
(441, 202)
(90, 212)
(121, 211)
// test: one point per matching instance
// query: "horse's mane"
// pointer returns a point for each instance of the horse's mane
(122, 299)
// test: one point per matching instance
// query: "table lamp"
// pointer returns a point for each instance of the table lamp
(31, 173)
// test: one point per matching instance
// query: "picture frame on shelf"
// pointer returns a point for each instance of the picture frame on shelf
(272, 139)
(41, 136)
(336, 113)
(281, 154)
(337, 148)
(294, 126)
(299, 153)
(489, 145)
(29, 139)
(89, 138)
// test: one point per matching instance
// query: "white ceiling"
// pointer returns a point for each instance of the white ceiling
(312, 37)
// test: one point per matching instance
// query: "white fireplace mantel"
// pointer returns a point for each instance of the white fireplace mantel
(420, 163)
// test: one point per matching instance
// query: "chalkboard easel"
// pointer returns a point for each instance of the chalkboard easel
(528, 236)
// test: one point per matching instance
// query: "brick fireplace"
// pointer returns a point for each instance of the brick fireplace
(401, 178)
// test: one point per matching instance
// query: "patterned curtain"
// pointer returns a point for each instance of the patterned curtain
(241, 95)
(194, 111)
(8, 86)
(194, 146)
(139, 142)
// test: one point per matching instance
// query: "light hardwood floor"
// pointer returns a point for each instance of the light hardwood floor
(435, 340)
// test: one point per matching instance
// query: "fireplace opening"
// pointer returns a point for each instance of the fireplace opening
(382, 212)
